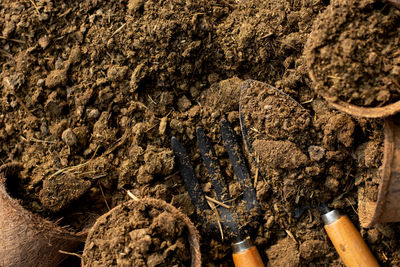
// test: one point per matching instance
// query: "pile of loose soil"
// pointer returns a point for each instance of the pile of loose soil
(138, 234)
(353, 53)
(91, 93)
(262, 40)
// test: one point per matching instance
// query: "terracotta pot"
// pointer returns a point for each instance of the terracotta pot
(101, 222)
(387, 206)
(359, 111)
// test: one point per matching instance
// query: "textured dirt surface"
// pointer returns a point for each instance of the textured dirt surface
(353, 53)
(137, 234)
(92, 92)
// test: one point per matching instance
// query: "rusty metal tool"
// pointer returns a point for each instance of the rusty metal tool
(230, 225)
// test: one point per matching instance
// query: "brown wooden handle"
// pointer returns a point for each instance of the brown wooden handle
(248, 258)
(348, 242)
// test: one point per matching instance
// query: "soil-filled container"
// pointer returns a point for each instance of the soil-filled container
(387, 206)
(353, 57)
(144, 232)
(26, 239)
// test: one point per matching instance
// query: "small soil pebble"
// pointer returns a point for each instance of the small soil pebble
(44, 41)
(92, 114)
(69, 137)
(56, 78)
(116, 73)
(60, 190)
(316, 153)
(353, 53)
(136, 233)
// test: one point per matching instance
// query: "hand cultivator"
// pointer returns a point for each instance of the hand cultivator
(234, 226)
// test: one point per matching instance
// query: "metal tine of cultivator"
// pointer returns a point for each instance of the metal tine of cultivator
(239, 167)
(228, 219)
(211, 162)
(192, 184)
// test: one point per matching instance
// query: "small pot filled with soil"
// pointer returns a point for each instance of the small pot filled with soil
(26, 239)
(142, 232)
(379, 200)
(353, 57)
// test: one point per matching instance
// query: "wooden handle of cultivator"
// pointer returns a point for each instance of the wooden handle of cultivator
(246, 255)
(348, 242)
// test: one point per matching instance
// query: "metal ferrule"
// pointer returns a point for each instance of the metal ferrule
(331, 217)
(241, 246)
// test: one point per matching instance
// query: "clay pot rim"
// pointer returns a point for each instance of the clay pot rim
(370, 219)
(15, 167)
(359, 111)
(193, 237)
(367, 112)
(26, 237)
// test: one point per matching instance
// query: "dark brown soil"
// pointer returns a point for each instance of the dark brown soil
(353, 53)
(92, 91)
(263, 40)
(137, 234)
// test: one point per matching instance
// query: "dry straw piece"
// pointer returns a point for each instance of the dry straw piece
(27, 239)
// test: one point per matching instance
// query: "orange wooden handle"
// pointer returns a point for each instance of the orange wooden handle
(248, 258)
(349, 244)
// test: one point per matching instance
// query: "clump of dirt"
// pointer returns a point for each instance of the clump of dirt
(57, 193)
(369, 157)
(138, 234)
(284, 253)
(353, 53)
